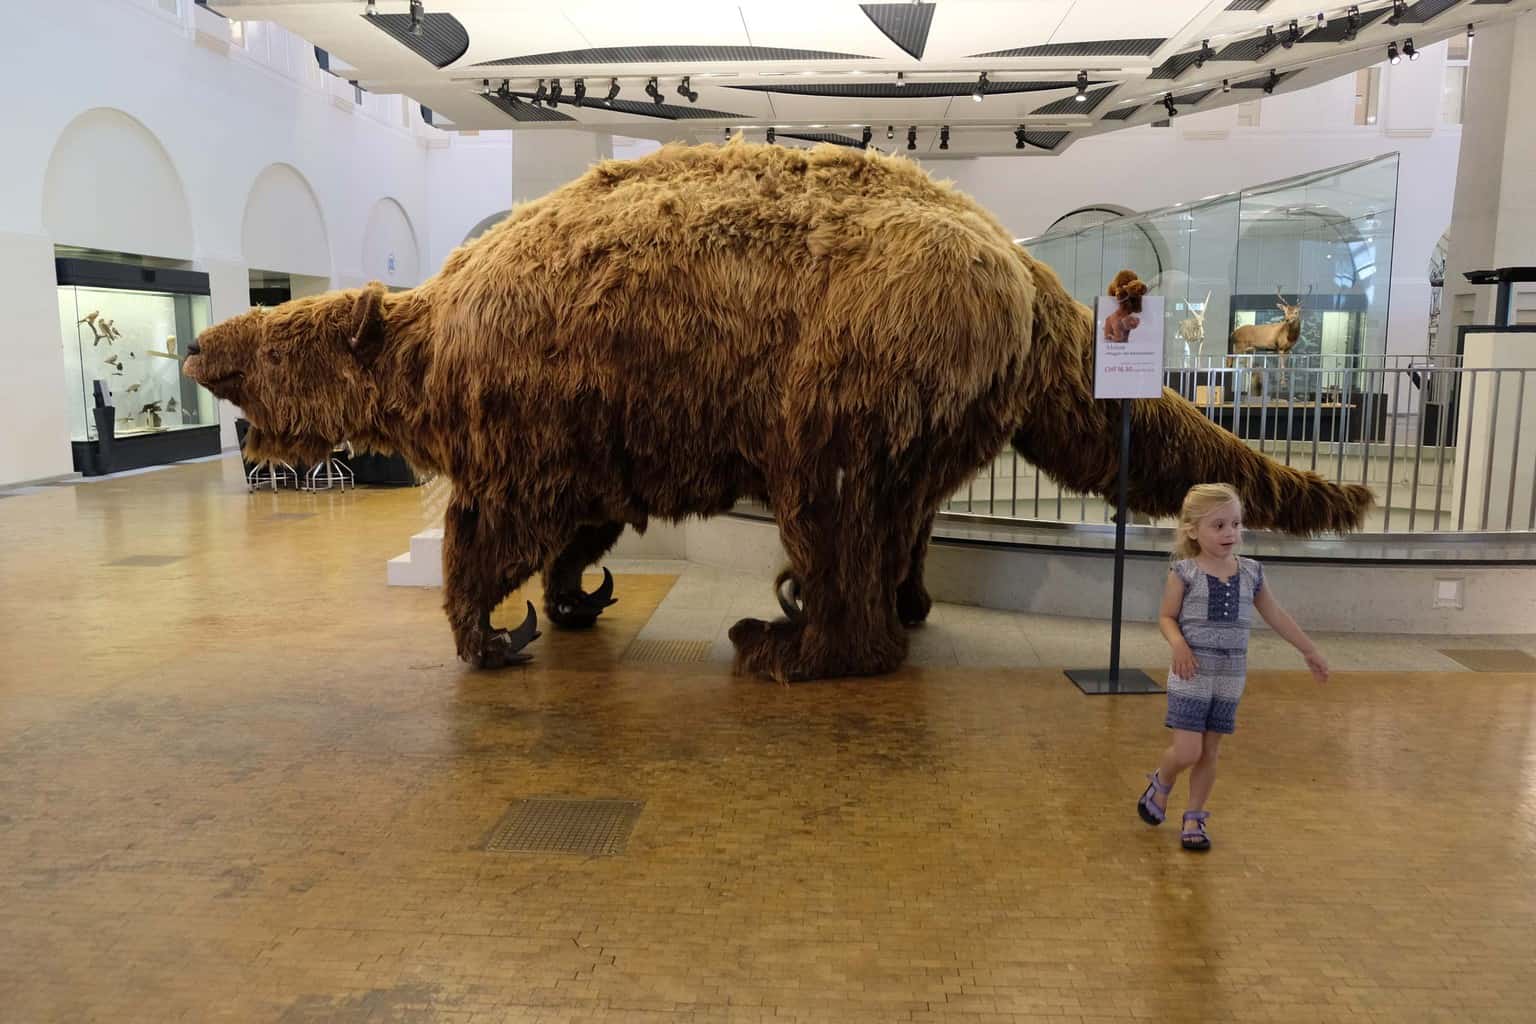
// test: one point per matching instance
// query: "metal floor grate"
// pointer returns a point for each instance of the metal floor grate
(1491, 659)
(598, 828)
(670, 652)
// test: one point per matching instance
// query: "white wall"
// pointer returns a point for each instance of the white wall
(1205, 154)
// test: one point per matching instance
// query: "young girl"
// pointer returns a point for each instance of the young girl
(1207, 610)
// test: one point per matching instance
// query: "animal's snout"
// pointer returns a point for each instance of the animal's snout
(193, 350)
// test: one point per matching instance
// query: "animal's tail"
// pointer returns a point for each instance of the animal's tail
(1075, 438)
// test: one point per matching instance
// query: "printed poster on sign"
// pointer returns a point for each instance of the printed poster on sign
(1128, 350)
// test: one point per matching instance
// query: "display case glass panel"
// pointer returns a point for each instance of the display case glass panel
(133, 342)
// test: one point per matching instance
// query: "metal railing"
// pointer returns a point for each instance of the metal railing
(1439, 444)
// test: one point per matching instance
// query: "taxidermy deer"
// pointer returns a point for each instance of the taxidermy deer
(1279, 337)
(1192, 327)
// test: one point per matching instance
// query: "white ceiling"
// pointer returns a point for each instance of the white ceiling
(959, 32)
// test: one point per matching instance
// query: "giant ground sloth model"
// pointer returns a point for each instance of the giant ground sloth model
(831, 332)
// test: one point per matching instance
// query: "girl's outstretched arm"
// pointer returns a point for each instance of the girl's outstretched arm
(1281, 622)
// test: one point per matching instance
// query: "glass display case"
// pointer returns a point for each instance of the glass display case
(125, 332)
(1322, 241)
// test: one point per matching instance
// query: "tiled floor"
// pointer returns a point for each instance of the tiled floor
(252, 784)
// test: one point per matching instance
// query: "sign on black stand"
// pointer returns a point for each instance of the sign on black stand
(1128, 364)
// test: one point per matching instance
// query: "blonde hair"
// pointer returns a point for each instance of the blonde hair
(1201, 501)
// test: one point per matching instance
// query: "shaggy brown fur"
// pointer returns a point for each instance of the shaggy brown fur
(832, 332)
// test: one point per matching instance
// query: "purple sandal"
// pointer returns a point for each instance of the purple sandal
(1195, 838)
(1149, 811)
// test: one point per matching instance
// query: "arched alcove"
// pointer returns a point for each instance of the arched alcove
(284, 228)
(390, 250)
(486, 225)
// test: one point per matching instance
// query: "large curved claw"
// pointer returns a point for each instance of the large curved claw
(787, 590)
(526, 633)
(583, 605)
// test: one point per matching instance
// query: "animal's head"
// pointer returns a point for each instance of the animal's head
(1291, 313)
(300, 371)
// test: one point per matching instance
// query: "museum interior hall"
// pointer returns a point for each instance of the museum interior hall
(963, 511)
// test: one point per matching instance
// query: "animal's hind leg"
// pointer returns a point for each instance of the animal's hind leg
(487, 554)
(564, 601)
(912, 600)
(842, 549)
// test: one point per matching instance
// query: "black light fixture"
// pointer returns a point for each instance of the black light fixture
(944, 137)
(1173, 111)
(866, 135)
(540, 94)
(1226, 85)
(581, 91)
(1082, 87)
(1270, 40)
(981, 88)
(1020, 138)
(555, 92)
(653, 91)
(417, 14)
(685, 90)
(1399, 8)
(890, 132)
(1471, 32)
(1205, 54)
(1292, 34)
(373, 9)
(1392, 57)
(1270, 82)
(901, 79)
(771, 135)
(485, 87)
(1352, 24)
(911, 137)
(504, 90)
(1322, 20)
(613, 91)
(1408, 49)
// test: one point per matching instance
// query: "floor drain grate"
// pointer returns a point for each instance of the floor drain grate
(669, 651)
(1491, 659)
(597, 828)
(147, 560)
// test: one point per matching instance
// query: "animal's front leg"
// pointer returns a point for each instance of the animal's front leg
(482, 563)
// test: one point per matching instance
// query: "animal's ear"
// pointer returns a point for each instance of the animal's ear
(367, 323)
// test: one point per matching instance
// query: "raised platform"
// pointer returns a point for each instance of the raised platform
(1436, 584)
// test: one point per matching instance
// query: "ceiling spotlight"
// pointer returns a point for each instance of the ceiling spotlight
(1205, 54)
(504, 90)
(485, 87)
(540, 94)
(416, 15)
(1270, 82)
(581, 91)
(1291, 35)
(1082, 87)
(1270, 40)
(771, 135)
(1352, 24)
(1173, 111)
(1392, 57)
(867, 134)
(1322, 20)
(1399, 8)
(1226, 85)
(1408, 50)
(685, 90)
(901, 79)
(554, 93)
(1020, 137)
(944, 137)
(890, 132)
(911, 137)
(613, 91)
(372, 9)
(653, 91)
(981, 88)
(1471, 32)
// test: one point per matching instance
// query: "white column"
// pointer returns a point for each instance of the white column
(229, 288)
(1493, 457)
(34, 425)
(1494, 218)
